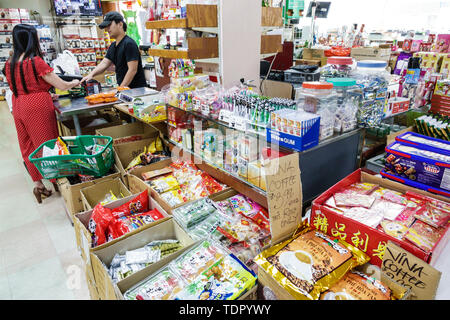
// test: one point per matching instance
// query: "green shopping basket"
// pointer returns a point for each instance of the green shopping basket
(78, 161)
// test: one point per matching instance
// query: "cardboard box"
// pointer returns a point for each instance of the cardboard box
(68, 127)
(369, 53)
(134, 279)
(101, 258)
(309, 62)
(71, 192)
(370, 240)
(96, 193)
(91, 284)
(84, 237)
(315, 54)
(128, 132)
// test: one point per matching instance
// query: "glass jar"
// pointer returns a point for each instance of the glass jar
(373, 79)
(337, 67)
(315, 95)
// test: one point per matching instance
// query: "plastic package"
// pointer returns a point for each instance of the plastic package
(327, 122)
(373, 78)
(353, 200)
(423, 235)
(337, 67)
(394, 228)
(365, 216)
(164, 184)
(192, 213)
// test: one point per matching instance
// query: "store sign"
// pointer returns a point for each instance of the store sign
(284, 195)
(411, 272)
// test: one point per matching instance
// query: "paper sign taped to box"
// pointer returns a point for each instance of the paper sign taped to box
(411, 272)
(284, 195)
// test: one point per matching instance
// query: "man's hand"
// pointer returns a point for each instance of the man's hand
(86, 78)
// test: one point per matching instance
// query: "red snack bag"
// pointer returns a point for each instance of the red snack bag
(210, 184)
(125, 224)
(98, 224)
(423, 235)
(433, 215)
(137, 205)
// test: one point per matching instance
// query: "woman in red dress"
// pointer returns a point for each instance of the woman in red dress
(30, 79)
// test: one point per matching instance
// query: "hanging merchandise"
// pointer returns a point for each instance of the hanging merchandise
(132, 28)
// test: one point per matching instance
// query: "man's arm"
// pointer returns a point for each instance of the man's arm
(132, 70)
(101, 67)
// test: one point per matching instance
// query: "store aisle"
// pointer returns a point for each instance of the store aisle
(38, 255)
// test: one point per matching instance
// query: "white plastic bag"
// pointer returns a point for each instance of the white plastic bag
(8, 98)
(68, 63)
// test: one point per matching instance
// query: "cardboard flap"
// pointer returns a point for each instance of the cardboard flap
(411, 272)
(284, 195)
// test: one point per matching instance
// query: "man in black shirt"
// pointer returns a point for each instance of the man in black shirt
(123, 53)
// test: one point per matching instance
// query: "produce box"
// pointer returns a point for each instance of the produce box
(371, 241)
(418, 164)
(71, 192)
(128, 132)
(84, 236)
(96, 193)
(134, 279)
(87, 124)
(369, 53)
(101, 258)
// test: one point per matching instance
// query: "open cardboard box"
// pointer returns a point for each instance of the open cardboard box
(67, 127)
(132, 280)
(96, 193)
(101, 258)
(128, 132)
(84, 236)
(72, 195)
(370, 240)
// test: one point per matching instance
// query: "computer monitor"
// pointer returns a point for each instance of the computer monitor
(322, 9)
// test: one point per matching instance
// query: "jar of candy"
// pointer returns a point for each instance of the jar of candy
(337, 67)
(373, 79)
(316, 95)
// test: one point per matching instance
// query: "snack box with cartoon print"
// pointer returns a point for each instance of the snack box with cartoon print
(430, 168)
(101, 258)
(371, 241)
(424, 142)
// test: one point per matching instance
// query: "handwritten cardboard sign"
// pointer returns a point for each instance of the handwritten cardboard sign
(284, 195)
(411, 272)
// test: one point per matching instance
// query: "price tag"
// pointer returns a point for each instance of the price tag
(240, 123)
(225, 115)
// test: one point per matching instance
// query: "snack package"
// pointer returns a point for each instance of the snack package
(61, 147)
(394, 228)
(191, 214)
(395, 197)
(98, 224)
(310, 262)
(389, 210)
(353, 200)
(198, 259)
(163, 285)
(137, 205)
(164, 184)
(109, 197)
(433, 215)
(120, 226)
(174, 197)
(251, 210)
(356, 285)
(423, 235)
(368, 217)
(226, 279)
(362, 187)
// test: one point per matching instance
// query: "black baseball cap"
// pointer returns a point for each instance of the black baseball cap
(110, 17)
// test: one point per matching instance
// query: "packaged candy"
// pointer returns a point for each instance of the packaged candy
(191, 214)
(165, 183)
(394, 228)
(363, 187)
(310, 263)
(368, 217)
(242, 229)
(433, 215)
(198, 259)
(174, 197)
(423, 235)
(98, 224)
(251, 210)
(163, 285)
(353, 200)
(389, 210)
(226, 279)
(109, 197)
(137, 205)
(122, 225)
(61, 146)
(356, 285)
(395, 197)
(407, 216)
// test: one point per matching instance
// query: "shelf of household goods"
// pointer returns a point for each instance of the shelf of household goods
(234, 181)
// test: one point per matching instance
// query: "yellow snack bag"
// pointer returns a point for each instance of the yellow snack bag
(137, 160)
(62, 147)
(310, 262)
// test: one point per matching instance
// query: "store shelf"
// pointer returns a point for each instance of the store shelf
(197, 16)
(199, 48)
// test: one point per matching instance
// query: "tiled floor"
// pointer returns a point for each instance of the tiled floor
(38, 255)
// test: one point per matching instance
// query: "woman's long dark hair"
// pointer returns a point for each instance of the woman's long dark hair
(25, 40)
